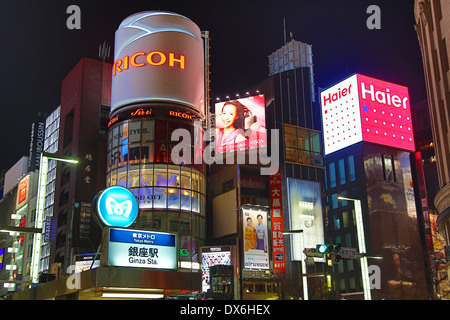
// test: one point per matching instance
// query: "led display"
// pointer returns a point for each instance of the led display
(240, 124)
(360, 108)
(212, 257)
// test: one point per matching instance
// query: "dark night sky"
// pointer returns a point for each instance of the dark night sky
(38, 51)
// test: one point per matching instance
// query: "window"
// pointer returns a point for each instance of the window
(351, 168)
(332, 172)
(303, 146)
(341, 168)
(388, 168)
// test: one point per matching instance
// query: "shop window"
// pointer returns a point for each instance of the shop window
(133, 177)
(122, 177)
(146, 176)
(134, 131)
(148, 130)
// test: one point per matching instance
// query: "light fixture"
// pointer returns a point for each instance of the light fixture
(40, 204)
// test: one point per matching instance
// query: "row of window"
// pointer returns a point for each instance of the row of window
(136, 131)
(184, 224)
(151, 152)
(303, 146)
(157, 175)
(340, 172)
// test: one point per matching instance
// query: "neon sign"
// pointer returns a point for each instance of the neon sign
(153, 58)
(360, 108)
(182, 115)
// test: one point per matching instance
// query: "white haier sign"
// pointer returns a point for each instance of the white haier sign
(142, 249)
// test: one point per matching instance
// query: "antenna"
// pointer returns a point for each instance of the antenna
(284, 29)
(104, 51)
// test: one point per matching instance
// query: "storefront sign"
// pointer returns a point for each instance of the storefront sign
(142, 249)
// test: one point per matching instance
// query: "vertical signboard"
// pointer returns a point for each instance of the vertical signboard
(276, 209)
(255, 235)
(305, 208)
(22, 192)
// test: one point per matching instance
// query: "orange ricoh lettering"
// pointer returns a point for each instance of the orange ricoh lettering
(152, 58)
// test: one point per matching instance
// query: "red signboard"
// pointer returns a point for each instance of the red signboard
(22, 193)
(276, 209)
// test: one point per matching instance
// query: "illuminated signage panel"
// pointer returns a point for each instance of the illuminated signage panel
(366, 109)
(142, 249)
(22, 193)
(256, 238)
(158, 56)
(305, 209)
(116, 207)
(240, 124)
(212, 257)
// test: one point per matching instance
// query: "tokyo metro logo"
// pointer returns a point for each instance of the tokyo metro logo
(116, 207)
(113, 207)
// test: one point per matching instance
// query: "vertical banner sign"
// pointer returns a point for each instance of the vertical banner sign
(256, 242)
(276, 207)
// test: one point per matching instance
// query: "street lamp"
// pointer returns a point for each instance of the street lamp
(40, 205)
(361, 244)
(302, 247)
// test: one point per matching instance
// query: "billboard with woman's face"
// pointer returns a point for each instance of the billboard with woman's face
(240, 124)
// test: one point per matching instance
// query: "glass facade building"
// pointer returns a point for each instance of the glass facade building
(172, 198)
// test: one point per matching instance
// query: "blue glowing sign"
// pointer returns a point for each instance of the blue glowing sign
(116, 207)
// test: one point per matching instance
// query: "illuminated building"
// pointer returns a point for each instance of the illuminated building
(432, 19)
(172, 196)
(369, 155)
(289, 200)
(83, 118)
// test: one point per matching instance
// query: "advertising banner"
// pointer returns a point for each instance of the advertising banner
(158, 56)
(240, 124)
(360, 108)
(305, 208)
(276, 207)
(256, 242)
(213, 256)
(142, 249)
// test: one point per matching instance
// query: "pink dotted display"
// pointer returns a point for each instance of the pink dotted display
(360, 108)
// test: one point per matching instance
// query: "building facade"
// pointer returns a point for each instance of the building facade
(84, 111)
(432, 27)
(370, 156)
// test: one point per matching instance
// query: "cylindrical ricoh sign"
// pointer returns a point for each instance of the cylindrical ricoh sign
(158, 56)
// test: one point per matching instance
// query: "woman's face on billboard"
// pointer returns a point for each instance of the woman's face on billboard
(229, 115)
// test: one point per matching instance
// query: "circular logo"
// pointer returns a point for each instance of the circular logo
(116, 207)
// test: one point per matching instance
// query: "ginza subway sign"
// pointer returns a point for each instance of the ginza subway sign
(153, 58)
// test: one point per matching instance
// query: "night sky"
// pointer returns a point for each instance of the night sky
(38, 50)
